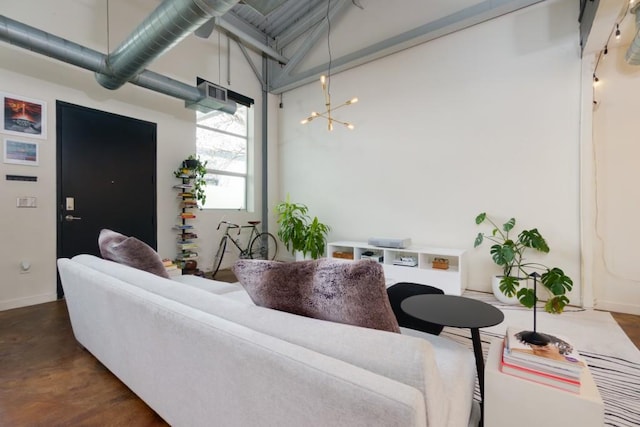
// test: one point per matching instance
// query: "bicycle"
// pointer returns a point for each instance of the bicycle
(259, 245)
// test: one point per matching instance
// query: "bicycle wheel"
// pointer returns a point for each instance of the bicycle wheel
(263, 246)
(218, 258)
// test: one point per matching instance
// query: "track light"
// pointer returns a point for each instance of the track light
(596, 80)
(617, 31)
(606, 50)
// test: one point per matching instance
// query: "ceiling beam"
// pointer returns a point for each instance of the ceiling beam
(283, 79)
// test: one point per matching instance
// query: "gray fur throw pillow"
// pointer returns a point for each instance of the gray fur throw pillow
(130, 251)
(346, 292)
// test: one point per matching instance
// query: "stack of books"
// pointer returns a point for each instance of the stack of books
(171, 268)
(555, 364)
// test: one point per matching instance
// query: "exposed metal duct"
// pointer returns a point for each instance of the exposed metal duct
(167, 25)
(38, 41)
(633, 53)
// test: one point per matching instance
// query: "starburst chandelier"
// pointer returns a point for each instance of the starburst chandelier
(326, 91)
(327, 114)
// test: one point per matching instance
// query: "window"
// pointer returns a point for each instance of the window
(222, 140)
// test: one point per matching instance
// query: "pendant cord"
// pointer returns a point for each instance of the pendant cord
(108, 35)
(329, 49)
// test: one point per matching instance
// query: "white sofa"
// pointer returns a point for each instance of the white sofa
(200, 353)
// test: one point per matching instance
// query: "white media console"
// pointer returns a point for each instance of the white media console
(453, 280)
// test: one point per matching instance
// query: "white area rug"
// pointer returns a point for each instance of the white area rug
(613, 359)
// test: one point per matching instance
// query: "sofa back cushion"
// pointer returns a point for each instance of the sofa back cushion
(351, 293)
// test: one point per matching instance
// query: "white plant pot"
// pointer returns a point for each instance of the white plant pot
(495, 287)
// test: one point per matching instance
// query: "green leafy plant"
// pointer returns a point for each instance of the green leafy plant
(195, 169)
(298, 231)
(510, 253)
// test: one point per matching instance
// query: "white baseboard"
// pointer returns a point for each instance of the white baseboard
(25, 302)
(617, 307)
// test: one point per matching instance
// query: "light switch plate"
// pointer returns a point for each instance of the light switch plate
(26, 202)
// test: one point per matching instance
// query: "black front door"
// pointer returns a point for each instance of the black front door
(106, 178)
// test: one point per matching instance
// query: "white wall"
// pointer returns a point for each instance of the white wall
(486, 119)
(31, 233)
(615, 155)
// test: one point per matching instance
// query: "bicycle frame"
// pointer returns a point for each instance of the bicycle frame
(254, 232)
(259, 245)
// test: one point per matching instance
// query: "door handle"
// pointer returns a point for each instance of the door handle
(71, 218)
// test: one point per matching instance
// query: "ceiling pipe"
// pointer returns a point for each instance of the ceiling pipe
(633, 53)
(166, 26)
(38, 41)
(246, 38)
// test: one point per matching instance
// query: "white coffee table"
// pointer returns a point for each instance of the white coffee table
(510, 401)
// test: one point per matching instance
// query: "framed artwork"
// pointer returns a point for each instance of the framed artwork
(20, 152)
(23, 116)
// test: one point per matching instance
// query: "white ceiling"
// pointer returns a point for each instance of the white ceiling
(294, 35)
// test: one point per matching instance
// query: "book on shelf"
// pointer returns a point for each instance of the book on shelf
(186, 195)
(557, 357)
(187, 215)
(186, 246)
(183, 226)
(541, 377)
(187, 255)
(189, 203)
(184, 186)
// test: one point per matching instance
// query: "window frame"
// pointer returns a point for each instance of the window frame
(213, 171)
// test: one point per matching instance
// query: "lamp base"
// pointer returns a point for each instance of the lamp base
(535, 338)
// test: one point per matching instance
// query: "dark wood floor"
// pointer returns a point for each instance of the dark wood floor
(48, 379)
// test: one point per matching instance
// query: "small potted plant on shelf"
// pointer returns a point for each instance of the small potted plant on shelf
(299, 232)
(193, 168)
(510, 253)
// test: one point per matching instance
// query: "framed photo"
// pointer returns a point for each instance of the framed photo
(23, 116)
(20, 152)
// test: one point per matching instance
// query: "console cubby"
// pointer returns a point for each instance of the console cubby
(452, 280)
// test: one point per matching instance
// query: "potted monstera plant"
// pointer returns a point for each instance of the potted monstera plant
(509, 252)
(301, 234)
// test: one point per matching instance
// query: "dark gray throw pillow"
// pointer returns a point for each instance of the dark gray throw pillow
(130, 251)
(345, 292)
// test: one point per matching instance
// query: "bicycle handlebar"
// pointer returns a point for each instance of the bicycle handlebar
(232, 225)
(229, 225)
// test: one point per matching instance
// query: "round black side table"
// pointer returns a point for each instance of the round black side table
(458, 312)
